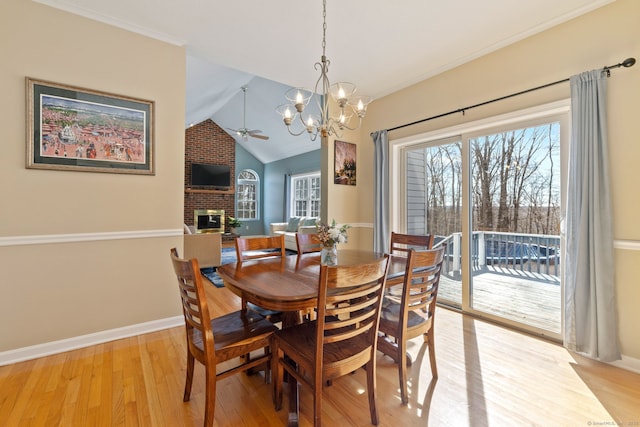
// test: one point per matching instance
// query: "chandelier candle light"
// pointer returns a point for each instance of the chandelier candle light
(343, 94)
(330, 236)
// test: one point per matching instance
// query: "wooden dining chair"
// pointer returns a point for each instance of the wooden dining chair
(260, 247)
(252, 248)
(308, 242)
(212, 341)
(341, 339)
(402, 243)
(414, 314)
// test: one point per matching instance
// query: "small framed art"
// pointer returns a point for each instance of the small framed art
(345, 163)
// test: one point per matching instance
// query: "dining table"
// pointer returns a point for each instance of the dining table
(290, 284)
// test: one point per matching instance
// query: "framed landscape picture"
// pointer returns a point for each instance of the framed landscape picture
(345, 163)
(75, 129)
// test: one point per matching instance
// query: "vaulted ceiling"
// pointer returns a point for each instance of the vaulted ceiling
(380, 45)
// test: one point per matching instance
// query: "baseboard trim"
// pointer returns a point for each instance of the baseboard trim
(55, 347)
(628, 363)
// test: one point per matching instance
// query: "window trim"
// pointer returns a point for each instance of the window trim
(292, 190)
(255, 182)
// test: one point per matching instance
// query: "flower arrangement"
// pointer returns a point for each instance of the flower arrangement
(331, 235)
(233, 222)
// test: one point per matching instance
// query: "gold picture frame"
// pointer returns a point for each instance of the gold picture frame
(76, 129)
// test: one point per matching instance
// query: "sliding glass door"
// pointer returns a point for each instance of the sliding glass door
(493, 198)
(515, 241)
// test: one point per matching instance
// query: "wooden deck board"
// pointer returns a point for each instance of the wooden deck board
(530, 298)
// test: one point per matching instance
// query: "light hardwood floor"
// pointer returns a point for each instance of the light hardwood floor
(489, 376)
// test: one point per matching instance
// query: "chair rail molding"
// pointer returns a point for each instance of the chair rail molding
(87, 237)
(632, 245)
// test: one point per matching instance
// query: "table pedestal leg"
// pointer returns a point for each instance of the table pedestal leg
(391, 350)
(291, 318)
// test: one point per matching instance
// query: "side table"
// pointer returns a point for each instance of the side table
(228, 239)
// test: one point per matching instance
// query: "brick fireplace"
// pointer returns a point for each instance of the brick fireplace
(206, 142)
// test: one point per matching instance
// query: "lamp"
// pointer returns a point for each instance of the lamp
(343, 94)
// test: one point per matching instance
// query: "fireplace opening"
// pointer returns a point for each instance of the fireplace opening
(209, 220)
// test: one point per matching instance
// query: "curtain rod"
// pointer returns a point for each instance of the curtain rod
(629, 62)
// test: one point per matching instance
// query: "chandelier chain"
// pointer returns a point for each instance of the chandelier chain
(324, 27)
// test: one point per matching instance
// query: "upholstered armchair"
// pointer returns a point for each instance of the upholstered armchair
(205, 247)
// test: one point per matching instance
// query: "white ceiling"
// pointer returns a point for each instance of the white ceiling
(380, 45)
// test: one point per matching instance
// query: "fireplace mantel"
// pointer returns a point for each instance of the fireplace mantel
(201, 191)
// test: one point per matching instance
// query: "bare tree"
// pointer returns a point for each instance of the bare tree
(453, 154)
(484, 175)
(506, 164)
(528, 162)
(553, 147)
(514, 182)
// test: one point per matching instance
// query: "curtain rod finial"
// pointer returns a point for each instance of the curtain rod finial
(629, 62)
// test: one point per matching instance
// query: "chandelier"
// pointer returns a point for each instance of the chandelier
(343, 94)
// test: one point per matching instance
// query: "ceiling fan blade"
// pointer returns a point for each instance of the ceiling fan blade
(244, 132)
(254, 133)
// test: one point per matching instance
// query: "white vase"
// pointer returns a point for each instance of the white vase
(234, 230)
(329, 256)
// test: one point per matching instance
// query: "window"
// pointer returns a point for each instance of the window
(305, 195)
(247, 195)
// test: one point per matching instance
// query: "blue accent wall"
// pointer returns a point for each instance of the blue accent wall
(272, 180)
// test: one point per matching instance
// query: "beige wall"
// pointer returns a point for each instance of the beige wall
(59, 290)
(605, 36)
(342, 201)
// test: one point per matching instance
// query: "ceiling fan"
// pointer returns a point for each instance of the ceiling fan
(243, 131)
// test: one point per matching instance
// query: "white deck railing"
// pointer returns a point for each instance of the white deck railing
(536, 253)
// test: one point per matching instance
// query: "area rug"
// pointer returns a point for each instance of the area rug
(228, 256)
